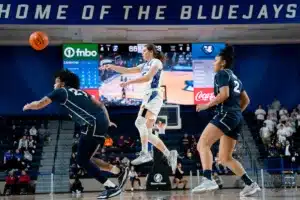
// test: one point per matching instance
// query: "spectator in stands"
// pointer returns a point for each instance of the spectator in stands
(18, 155)
(33, 131)
(185, 143)
(25, 132)
(73, 165)
(271, 110)
(297, 124)
(24, 181)
(283, 113)
(189, 154)
(133, 177)
(281, 134)
(288, 149)
(31, 145)
(121, 142)
(265, 135)
(276, 105)
(8, 156)
(108, 142)
(270, 124)
(129, 142)
(178, 177)
(76, 187)
(10, 182)
(260, 115)
(23, 143)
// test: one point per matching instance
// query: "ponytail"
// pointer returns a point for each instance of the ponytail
(160, 56)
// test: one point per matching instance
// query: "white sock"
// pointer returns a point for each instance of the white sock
(115, 170)
(108, 183)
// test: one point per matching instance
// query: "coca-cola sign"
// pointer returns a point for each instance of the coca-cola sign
(203, 95)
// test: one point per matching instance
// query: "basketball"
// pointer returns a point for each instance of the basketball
(38, 40)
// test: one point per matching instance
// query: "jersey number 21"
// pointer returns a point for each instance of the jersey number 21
(77, 92)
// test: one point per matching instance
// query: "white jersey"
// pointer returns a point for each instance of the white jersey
(155, 82)
(153, 99)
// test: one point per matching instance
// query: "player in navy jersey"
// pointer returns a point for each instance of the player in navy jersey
(93, 116)
(231, 100)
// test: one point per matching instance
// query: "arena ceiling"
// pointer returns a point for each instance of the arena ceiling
(235, 34)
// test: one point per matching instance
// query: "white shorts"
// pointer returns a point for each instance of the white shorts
(153, 101)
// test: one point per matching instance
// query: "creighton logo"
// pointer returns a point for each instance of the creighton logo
(208, 49)
(157, 178)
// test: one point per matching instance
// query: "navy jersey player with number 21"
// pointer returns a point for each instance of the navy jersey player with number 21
(231, 100)
(93, 117)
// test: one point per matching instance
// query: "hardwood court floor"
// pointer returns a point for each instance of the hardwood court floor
(227, 194)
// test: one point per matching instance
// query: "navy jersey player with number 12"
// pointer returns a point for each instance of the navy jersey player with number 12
(93, 117)
(231, 100)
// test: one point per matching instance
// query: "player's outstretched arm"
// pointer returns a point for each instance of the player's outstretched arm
(122, 70)
(244, 100)
(37, 105)
(147, 77)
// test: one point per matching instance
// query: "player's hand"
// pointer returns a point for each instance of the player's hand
(26, 107)
(112, 124)
(124, 84)
(201, 107)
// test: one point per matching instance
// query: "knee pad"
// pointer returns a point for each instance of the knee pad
(140, 124)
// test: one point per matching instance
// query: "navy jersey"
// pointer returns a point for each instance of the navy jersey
(79, 104)
(227, 78)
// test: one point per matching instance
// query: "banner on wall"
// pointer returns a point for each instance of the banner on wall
(203, 74)
(155, 12)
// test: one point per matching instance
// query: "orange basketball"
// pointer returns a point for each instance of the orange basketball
(38, 40)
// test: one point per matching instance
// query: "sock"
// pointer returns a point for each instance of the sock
(246, 179)
(108, 183)
(140, 123)
(207, 174)
(115, 170)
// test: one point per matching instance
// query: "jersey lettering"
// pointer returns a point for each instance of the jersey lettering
(237, 87)
(77, 92)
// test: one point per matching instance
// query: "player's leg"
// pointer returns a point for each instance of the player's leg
(121, 172)
(209, 136)
(86, 147)
(158, 143)
(227, 145)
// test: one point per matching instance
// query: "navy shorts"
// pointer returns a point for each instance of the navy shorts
(97, 129)
(230, 123)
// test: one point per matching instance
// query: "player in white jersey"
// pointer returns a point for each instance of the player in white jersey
(151, 72)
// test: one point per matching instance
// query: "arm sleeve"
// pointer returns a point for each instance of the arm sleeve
(58, 95)
(222, 78)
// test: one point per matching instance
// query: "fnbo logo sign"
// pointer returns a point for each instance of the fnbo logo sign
(80, 51)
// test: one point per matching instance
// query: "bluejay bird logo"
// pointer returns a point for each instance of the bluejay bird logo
(208, 49)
